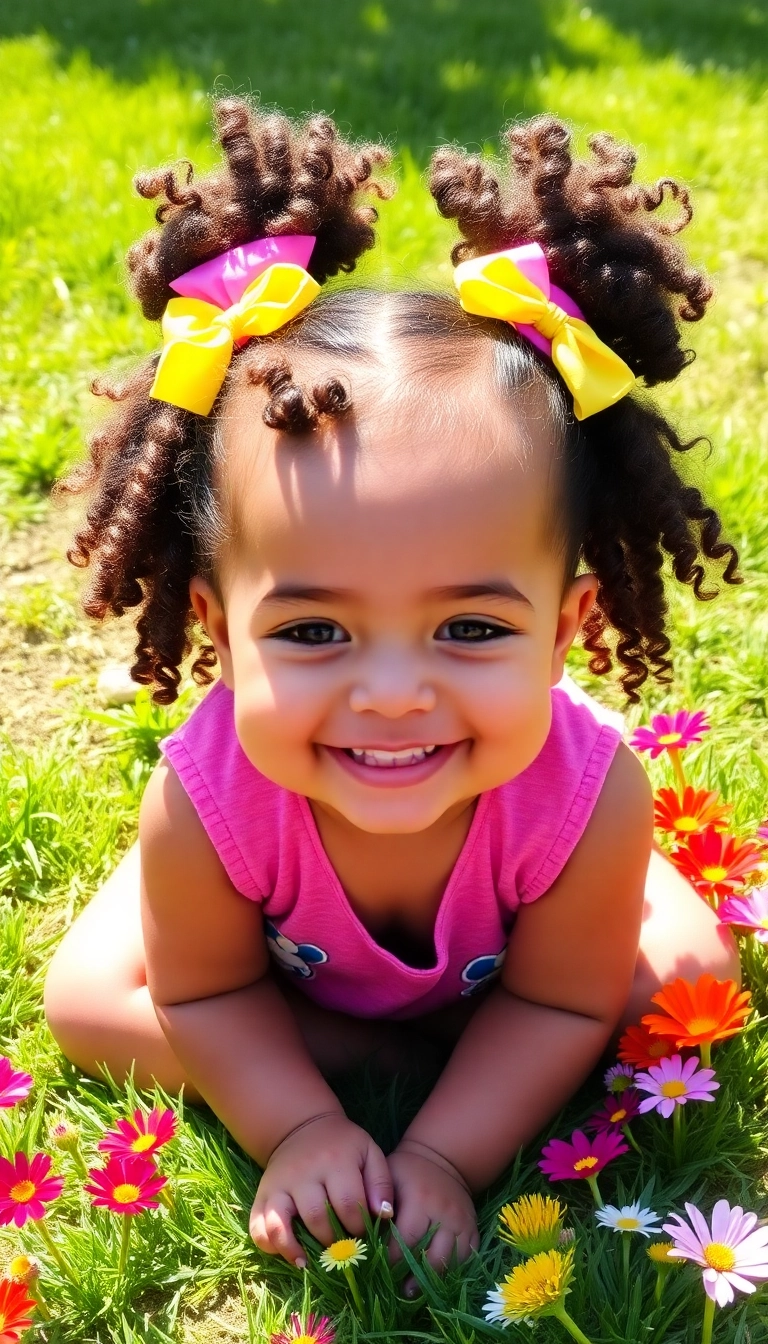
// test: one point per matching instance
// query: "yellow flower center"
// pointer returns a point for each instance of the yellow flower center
(658, 1049)
(674, 1088)
(686, 823)
(659, 1251)
(305, 1339)
(617, 1116)
(125, 1194)
(668, 739)
(718, 1256)
(343, 1250)
(763, 924)
(23, 1268)
(700, 1026)
(22, 1191)
(143, 1142)
(585, 1162)
(628, 1224)
(714, 874)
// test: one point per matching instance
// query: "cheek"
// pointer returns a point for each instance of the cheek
(278, 706)
(512, 714)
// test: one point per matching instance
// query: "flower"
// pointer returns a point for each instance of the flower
(732, 1253)
(340, 1254)
(716, 863)
(629, 1218)
(671, 732)
(143, 1134)
(25, 1186)
(615, 1112)
(582, 1157)
(673, 1082)
(125, 1185)
(698, 1014)
(618, 1078)
(15, 1086)
(637, 1046)
(531, 1289)
(532, 1224)
(750, 911)
(24, 1269)
(15, 1306)
(64, 1135)
(314, 1330)
(697, 809)
(658, 1252)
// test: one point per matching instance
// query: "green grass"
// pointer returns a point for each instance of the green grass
(91, 92)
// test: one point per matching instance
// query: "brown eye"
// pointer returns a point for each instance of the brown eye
(312, 633)
(465, 631)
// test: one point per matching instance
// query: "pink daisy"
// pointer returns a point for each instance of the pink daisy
(749, 911)
(671, 732)
(674, 1081)
(314, 1330)
(25, 1187)
(143, 1134)
(15, 1086)
(731, 1254)
(125, 1185)
(582, 1158)
(615, 1113)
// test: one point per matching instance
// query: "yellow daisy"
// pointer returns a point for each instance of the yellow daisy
(535, 1288)
(342, 1254)
(532, 1224)
(658, 1252)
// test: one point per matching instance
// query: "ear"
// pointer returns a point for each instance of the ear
(575, 606)
(211, 616)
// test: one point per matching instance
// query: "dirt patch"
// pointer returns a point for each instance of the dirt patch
(51, 653)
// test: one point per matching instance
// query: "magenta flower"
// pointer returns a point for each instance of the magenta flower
(314, 1330)
(674, 1081)
(731, 1253)
(15, 1086)
(750, 911)
(582, 1158)
(125, 1184)
(615, 1112)
(143, 1134)
(671, 732)
(25, 1187)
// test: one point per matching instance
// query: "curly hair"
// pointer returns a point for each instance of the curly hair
(156, 518)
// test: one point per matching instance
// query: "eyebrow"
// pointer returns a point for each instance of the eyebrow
(460, 592)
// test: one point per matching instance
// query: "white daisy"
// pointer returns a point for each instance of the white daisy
(629, 1218)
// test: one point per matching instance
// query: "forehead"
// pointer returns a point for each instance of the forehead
(419, 478)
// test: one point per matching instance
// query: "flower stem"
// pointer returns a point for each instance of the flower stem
(625, 1239)
(705, 1050)
(79, 1161)
(627, 1132)
(125, 1238)
(709, 1317)
(677, 1133)
(562, 1316)
(661, 1278)
(165, 1195)
(40, 1303)
(53, 1248)
(349, 1275)
(594, 1187)
(677, 766)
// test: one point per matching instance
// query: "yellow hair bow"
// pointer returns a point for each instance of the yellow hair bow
(495, 286)
(199, 337)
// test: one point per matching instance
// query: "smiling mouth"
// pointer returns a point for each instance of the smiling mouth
(389, 760)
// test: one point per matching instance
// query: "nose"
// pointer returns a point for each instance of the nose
(392, 684)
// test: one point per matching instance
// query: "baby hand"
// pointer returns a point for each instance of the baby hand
(326, 1159)
(429, 1190)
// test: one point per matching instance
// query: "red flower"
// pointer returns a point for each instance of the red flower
(143, 1134)
(125, 1185)
(15, 1305)
(637, 1046)
(716, 863)
(697, 809)
(25, 1186)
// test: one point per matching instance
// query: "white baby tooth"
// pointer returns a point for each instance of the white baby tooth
(390, 759)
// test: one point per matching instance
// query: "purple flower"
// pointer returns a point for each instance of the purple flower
(674, 1081)
(731, 1253)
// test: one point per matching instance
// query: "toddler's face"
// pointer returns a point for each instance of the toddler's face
(393, 607)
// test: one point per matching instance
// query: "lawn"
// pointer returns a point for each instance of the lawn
(89, 93)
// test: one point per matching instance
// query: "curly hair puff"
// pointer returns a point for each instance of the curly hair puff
(144, 471)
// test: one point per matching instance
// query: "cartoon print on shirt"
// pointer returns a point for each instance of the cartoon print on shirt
(298, 958)
(480, 971)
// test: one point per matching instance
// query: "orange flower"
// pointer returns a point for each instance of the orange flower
(699, 1014)
(697, 809)
(715, 863)
(15, 1306)
(637, 1046)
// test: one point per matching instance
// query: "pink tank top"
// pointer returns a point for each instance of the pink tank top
(521, 837)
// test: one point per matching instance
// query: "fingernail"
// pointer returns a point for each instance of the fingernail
(385, 1209)
(300, 1262)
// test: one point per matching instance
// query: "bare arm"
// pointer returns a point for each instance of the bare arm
(566, 979)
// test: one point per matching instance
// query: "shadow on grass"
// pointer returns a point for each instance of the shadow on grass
(424, 73)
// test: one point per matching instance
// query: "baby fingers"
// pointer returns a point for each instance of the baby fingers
(271, 1227)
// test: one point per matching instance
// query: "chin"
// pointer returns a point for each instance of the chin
(403, 819)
